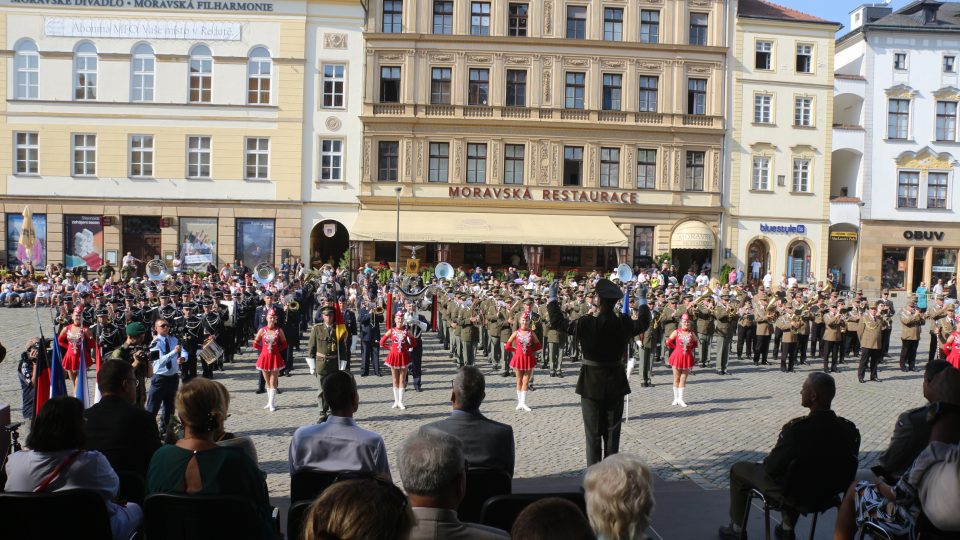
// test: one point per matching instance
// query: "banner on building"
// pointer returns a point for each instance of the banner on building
(255, 241)
(198, 243)
(83, 241)
(14, 224)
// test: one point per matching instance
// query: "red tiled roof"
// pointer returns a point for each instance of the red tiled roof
(769, 10)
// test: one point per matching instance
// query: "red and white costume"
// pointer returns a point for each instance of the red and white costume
(400, 344)
(683, 343)
(271, 344)
(73, 338)
(523, 345)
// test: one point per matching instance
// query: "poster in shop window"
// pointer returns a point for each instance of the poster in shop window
(83, 236)
(14, 224)
(198, 243)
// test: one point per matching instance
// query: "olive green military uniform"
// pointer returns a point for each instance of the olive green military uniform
(468, 321)
(554, 344)
(912, 321)
(725, 318)
(325, 347)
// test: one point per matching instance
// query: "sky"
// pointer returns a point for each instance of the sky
(834, 10)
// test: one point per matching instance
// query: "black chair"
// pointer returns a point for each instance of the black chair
(201, 517)
(501, 511)
(482, 483)
(811, 486)
(133, 487)
(55, 514)
(306, 485)
(295, 519)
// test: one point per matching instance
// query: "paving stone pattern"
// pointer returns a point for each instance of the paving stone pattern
(731, 418)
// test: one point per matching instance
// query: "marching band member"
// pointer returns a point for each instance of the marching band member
(271, 342)
(401, 342)
(951, 349)
(78, 341)
(523, 343)
(683, 341)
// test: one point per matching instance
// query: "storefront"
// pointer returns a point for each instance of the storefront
(901, 256)
(782, 249)
(193, 235)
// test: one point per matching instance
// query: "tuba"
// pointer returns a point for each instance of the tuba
(444, 270)
(624, 273)
(156, 270)
(264, 273)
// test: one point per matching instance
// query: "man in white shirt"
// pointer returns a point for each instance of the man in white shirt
(168, 356)
(791, 281)
(755, 269)
(767, 280)
(338, 444)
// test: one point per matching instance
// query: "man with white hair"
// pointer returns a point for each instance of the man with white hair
(435, 479)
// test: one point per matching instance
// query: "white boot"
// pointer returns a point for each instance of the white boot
(400, 399)
(271, 398)
(395, 397)
(519, 400)
(675, 398)
(680, 397)
(523, 402)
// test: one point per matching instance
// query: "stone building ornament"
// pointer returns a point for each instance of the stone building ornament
(335, 41)
(333, 123)
(950, 93)
(548, 17)
(927, 158)
(900, 91)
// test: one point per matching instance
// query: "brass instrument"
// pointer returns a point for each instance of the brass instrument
(706, 294)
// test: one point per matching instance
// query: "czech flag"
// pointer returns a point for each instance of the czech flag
(50, 382)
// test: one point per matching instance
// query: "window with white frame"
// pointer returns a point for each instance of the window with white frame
(908, 189)
(803, 111)
(85, 72)
(646, 168)
(480, 18)
(609, 167)
(801, 175)
(27, 70)
(761, 173)
(439, 162)
(696, 168)
(476, 163)
(937, 190)
(331, 160)
(27, 152)
(142, 73)
(201, 74)
(259, 68)
(946, 120)
(763, 56)
(575, 90)
(478, 89)
(84, 154)
(898, 118)
(576, 22)
(648, 93)
(141, 156)
(762, 108)
(198, 157)
(696, 96)
(804, 58)
(440, 78)
(334, 81)
(513, 164)
(257, 158)
(900, 61)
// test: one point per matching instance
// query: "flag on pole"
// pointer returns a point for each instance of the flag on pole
(96, 388)
(50, 382)
(29, 248)
(339, 323)
(82, 391)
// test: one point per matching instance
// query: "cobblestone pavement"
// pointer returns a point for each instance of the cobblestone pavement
(731, 418)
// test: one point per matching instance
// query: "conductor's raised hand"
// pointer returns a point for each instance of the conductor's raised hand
(552, 293)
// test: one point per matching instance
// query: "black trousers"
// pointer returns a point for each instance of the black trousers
(871, 358)
(934, 348)
(746, 335)
(788, 355)
(802, 347)
(850, 343)
(163, 389)
(761, 349)
(601, 425)
(816, 337)
(908, 353)
(831, 355)
(777, 340)
(370, 351)
(885, 337)
(416, 365)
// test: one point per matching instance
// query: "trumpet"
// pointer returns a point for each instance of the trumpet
(706, 294)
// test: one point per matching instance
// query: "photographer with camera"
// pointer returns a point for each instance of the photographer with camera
(136, 353)
(26, 372)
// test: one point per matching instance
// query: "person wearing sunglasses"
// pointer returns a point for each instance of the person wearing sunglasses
(167, 356)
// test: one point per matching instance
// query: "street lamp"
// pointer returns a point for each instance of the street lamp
(856, 274)
(399, 190)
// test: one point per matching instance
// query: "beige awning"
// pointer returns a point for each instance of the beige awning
(693, 235)
(479, 228)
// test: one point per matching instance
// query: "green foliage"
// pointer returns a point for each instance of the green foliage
(344, 260)
(725, 273)
(663, 258)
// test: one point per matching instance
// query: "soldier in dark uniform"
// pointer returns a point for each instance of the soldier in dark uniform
(326, 349)
(369, 326)
(554, 344)
(212, 326)
(669, 320)
(417, 327)
(603, 378)
(106, 272)
(820, 435)
(350, 321)
(107, 334)
(705, 328)
(190, 333)
(832, 337)
(648, 346)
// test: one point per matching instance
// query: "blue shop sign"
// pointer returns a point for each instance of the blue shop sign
(783, 229)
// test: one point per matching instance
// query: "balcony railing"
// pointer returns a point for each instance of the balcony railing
(533, 113)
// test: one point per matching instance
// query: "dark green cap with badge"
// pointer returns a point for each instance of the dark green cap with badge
(135, 329)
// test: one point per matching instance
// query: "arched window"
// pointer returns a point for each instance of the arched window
(798, 261)
(27, 66)
(85, 71)
(201, 74)
(258, 77)
(142, 73)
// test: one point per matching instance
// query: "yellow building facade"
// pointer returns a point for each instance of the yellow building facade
(161, 132)
(782, 119)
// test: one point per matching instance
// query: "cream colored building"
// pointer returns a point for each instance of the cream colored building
(159, 131)
(782, 142)
(555, 134)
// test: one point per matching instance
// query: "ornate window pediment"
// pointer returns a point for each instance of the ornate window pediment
(948, 93)
(803, 149)
(926, 158)
(763, 147)
(900, 91)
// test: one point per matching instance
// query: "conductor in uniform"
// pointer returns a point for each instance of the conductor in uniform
(327, 350)
(602, 383)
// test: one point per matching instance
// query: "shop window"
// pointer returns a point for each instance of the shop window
(474, 254)
(798, 261)
(570, 256)
(511, 255)
(894, 268)
(944, 264)
(643, 246)
(384, 251)
(255, 241)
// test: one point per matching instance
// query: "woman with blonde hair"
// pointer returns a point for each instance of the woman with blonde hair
(619, 496)
(365, 508)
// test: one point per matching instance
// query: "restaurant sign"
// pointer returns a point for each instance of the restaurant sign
(552, 195)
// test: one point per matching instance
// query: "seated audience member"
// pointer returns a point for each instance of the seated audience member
(619, 496)
(338, 444)
(485, 443)
(819, 435)
(910, 435)
(931, 484)
(359, 509)
(56, 441)
(552, 518)
(435, 479)
(197, 465)
(121, 431)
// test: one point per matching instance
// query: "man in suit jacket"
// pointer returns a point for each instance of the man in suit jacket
(121, 431)
(369, 327)
(485, 443)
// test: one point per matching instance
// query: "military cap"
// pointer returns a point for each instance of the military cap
(103, 312)
(874, 304)
(129, 297)
(528, 301)
(192, 306)
(327, 310)
(205, 302)
(607, 290)
(135, 329)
